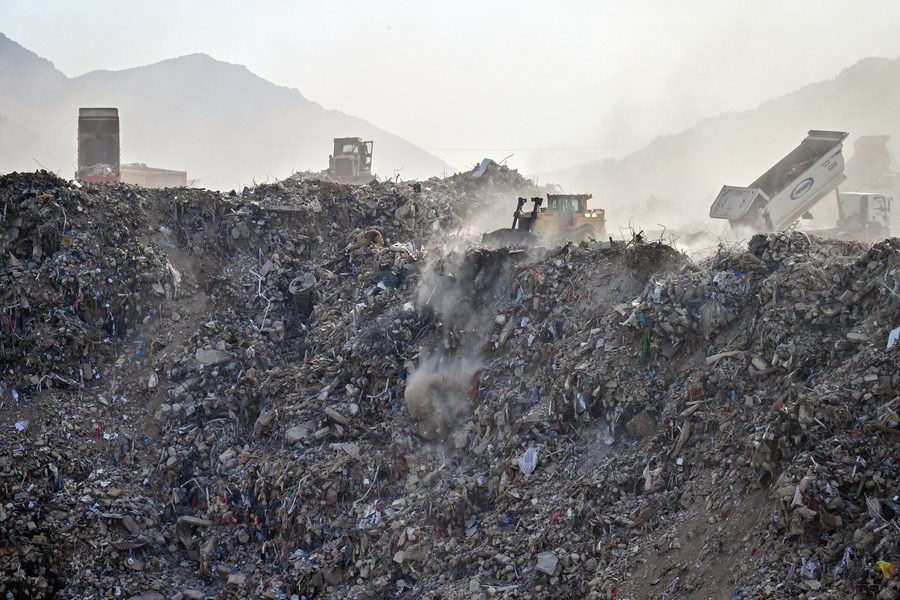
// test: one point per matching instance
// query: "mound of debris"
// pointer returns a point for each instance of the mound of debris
(313, 390)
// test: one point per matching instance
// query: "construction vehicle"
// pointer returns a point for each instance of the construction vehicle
(565, 218)
(786, 192)
(861, 216)
(98, 145)
(351, 161)
(874, 178)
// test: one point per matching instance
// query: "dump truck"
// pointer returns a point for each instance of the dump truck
(786, 192)
(789, 189)
(566, 217)
(351, 161)
(98, 145)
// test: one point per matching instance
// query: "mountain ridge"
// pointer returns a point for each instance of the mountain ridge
(219, 121)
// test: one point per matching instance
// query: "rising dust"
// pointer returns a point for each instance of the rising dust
(437, 393)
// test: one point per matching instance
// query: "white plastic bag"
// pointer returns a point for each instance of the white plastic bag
(528, 461)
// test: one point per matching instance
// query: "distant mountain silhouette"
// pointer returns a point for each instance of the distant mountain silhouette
(674, 179)
(218, 121)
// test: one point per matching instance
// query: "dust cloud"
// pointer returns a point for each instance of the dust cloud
(455, 288)
(437, 393)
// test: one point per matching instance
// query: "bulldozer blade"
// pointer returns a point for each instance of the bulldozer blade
(509, 238)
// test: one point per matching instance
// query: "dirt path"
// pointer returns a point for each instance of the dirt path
(700, 556)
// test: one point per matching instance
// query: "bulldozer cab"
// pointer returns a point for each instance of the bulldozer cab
(566, 206)
(568, 202)
(352, 159)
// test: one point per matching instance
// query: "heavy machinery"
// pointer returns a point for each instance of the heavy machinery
(861, 216)
(787, 191)
(565, 218)
(873, 176)
(351, 161)
(98, 145)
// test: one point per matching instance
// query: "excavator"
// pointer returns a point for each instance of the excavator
(565, 218)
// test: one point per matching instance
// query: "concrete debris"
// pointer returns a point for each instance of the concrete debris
(547, 562)
(311, 390)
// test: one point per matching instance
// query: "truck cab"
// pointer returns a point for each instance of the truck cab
(862, 210)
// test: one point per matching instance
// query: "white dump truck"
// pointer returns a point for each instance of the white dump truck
(786, 192)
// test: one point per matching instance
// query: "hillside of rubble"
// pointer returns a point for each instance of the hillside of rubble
(313, 390)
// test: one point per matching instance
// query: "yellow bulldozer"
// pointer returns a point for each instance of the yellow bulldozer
(566, 217)
(351, 161)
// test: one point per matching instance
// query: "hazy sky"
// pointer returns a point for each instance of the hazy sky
(553, 83)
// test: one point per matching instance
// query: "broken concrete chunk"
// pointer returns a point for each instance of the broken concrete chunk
(195, 521)
(209, 357)
(296, 434)
(336, 416)
(547, 562)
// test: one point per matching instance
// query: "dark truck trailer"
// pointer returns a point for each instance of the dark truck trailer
(98, 145)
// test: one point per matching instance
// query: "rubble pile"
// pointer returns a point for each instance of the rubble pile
(419, 211)
(309, 389)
